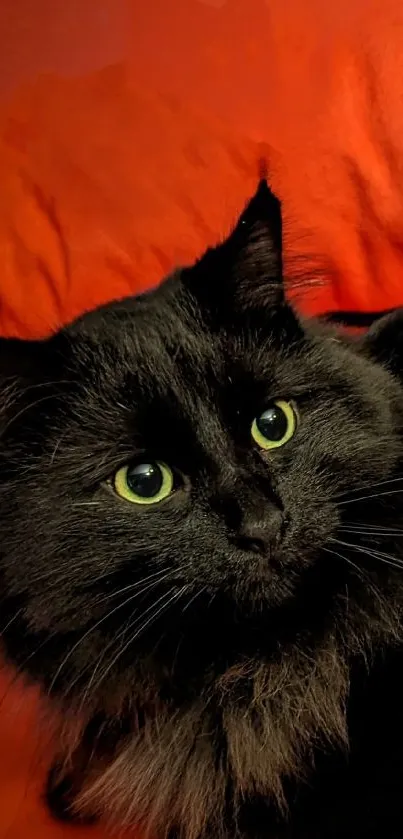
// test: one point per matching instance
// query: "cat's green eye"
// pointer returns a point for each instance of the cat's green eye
(144, 483)
(275, 426)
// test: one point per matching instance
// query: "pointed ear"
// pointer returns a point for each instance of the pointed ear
(246, 269)
(384, 342)
(256, 244)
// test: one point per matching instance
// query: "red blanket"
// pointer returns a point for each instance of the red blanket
(109, 179)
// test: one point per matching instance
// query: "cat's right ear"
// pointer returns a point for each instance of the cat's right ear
(245, 270)
(384, 342)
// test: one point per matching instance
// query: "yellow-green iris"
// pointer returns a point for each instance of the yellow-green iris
(144, 483)
(275, 426)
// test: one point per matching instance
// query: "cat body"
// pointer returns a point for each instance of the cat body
(201, 554)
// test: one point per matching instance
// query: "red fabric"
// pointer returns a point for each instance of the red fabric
(109, 177)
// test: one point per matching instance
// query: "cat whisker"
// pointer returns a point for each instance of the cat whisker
(11, 621)
(368, 497)
(192, 599)
(91, 629)
(87, 504)
(360, 572)
(345, 559)
(370, 548)
(371, 532)
(153, 584)
(388, 559)
(374, 529)
(382, 527)
(148, 587)
(123, 407)
(98, 664)
(376, 555)
(369, 486)
(174, 597)
(140, 630)
(157, 577)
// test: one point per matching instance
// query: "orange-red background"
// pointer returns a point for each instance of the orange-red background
(138, 127)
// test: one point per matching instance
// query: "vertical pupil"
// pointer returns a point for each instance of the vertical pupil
(273, 424)
(145, 479)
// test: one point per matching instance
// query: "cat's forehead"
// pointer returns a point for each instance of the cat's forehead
(143, 338)
(165, 346)
(152, 374)
(160, 346)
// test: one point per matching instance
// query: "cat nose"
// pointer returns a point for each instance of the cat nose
(260, 537)
(252, 541)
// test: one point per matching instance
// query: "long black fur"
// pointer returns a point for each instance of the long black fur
(226, 662)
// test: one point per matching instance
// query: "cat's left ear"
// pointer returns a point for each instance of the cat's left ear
(247, 267)
(384, 342)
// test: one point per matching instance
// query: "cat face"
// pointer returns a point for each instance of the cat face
(176, 473)
(258, 424)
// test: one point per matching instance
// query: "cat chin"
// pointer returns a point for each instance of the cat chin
(191, 769)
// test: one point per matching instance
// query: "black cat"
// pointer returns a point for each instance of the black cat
(201, 528)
